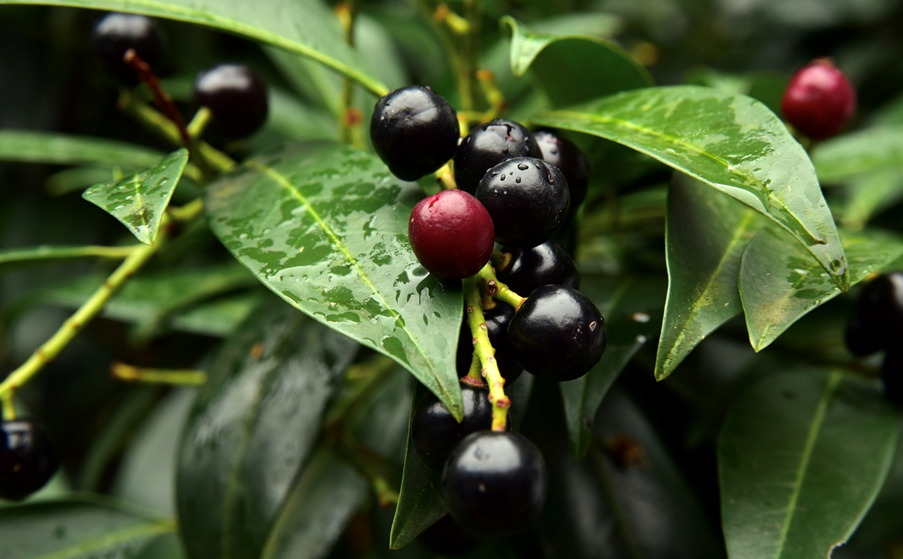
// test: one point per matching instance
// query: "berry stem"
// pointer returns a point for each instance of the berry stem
(175, 377)
(499, 290)
(473, 377)
(9, 409)
(484, 351)
(161, 97)
(351, 116)
(494, 96)
(445, 177)
(500, 260)
(199, 122)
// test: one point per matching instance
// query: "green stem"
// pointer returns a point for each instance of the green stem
(473, 11)
(473, 377)
(484, 351)
(351, 116)
(499, 290)
(176, 377)
(9, 409)
(199, 122)
(446, 177)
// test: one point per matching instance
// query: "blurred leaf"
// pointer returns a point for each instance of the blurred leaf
(706, 236)
(304, 27)
(252, 426)
(19, 258)
(801, 457)
(298, 120)
(574, 68)
(325, 227)
(220, 317)
(779, 283)
(868, 195)
(61, 149)
(80, 178)
(767, 87)
(139, 200)
(632, 309)
(866, 151)
(730, 142)
(83, 529)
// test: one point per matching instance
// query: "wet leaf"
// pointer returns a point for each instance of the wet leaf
(19, 258)
(251, 428)
(62, 149)
(873, 149)
(732, 143)
(77, 529)
(705, 238)
(801, 457)
(325, 227)
(779, 284)
(139, 200)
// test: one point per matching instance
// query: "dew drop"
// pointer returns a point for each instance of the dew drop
(517, 180)
(523, 166)
(501, 178)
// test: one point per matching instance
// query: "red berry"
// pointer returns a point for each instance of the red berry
(819, 101)
(451, 234)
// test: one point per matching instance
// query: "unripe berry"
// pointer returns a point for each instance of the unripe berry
(819, 100)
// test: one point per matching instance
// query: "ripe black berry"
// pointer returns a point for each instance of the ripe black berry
(494, 483)
(451, 234)
(414, 131)
(236, 96)
(545, 264)
(116, 33)
(569, 160)
(497, 319)
(488, 145)
(434, 430)
(861, 340)
(892, 376)
(879, 313)
(527, 199)
(27, 461)
(819, 100)
(558, 333)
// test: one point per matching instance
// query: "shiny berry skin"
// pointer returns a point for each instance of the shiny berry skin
(494, 483)
(451, 234)
(527, 199)
(488, 145)
(236, 96)
(558, 333)
(569, 160)
(116, 33)
(819, 101)
(892, 376)
(414, 131)
(545, 264)
(27, 460)
(497, 319)
(434, 430)
(880, 311)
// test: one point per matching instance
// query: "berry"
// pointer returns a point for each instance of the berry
(819, 100)
(236, 96)
(860, 339)
(569, 160)
(27, 461)
(435, 432)
(527, 199)
(488, 145)
(557, 333)
(545, 264)
(497, 319)
(494, 483)
(451, 234)
(116, 33)
(880, 312)
(892, 376)
(447, 538)
(414, 131)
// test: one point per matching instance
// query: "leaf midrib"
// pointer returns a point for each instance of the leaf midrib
(107, 540)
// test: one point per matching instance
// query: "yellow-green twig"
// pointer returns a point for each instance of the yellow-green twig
(180, 377)
(9, 409)
(499, 290)
(486, 354)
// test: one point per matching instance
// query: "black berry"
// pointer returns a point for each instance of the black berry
(569, 160)
(819, 100)
(892, 376)
(557, 333)
(451, 234)
(27, 460)
(545, 264)
(488, 145)
(494, 483)
(236, 97)
(527, 199)
(116, 33)
(435, 432)
(879, 314)
(414, 131)
(497, 319)
(861, 340)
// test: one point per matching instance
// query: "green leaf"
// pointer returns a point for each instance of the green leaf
(76, 529)
(874, 149)
(867, 195)
(19, 258)
(325, 227)
(730, 142)
(633, 312)
(573, 68)
(705, 238)
(801, 457)
(139, 200)
(61, 149)
(252, 426)
(779, 284)
(305, 27)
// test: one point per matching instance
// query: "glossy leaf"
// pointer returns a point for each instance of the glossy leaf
(304, 27)
(252, 426)
(632, 310)
(705, 238)
(19, 258)
(573, 68)
(139, 200)
(325, 227)
(866, 151)
(779, 284)
(62, 149)
(730, 142)
(76, 529)
(801, 457)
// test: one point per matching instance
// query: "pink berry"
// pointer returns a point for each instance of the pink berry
(819, 100)
(451, 234)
